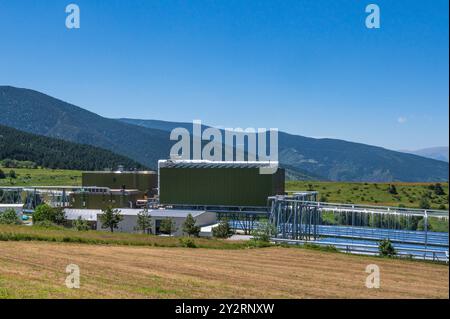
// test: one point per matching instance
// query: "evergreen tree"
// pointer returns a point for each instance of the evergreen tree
(144, 222)
(110, 218)
(189, 226)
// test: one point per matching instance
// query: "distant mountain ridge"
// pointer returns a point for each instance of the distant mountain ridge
(438, 153)
(146, 141)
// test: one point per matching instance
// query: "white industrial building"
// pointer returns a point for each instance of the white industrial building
(129, 222)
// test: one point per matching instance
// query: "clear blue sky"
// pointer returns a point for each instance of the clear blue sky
(308, 67)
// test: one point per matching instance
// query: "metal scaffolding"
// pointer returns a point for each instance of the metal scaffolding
(300, 218)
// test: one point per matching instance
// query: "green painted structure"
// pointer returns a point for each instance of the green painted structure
(225, 185)
(144, 181)
(100, 200)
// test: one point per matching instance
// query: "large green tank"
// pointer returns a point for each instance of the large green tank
(144, 181)
(219, 184)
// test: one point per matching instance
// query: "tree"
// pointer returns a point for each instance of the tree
(223, 230)
(386, 248)
(44, 212)
(144, 222)
(9, 216)
(424, 203)
(12, 174)
(81, 224)
(189, 226)
(264, 231)
(2, 174)
(392, 190)
(167, 226)
(110, 218)
(438, 190)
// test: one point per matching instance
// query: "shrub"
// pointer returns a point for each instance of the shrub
(9, 216)
(80, 224)
(2, 174)
(222, 230)
(424, 203)
(264, 231)
(188, 242)
(44, 212)
(12, 174)
(386, 248)
(46, 224)
(392, 190)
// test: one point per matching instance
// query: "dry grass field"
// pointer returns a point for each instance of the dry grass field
(37, 270)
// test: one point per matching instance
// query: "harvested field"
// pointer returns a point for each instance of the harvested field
(37, 270)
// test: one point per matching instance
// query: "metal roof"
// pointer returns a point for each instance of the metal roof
(215, 164)
(86, 214)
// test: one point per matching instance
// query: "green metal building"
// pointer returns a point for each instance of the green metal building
(218, 183)
(144, 181)
(89, 199)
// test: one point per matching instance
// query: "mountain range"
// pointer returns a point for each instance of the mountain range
(146, 141)
(438, 153)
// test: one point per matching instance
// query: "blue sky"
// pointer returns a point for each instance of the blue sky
(307, 67)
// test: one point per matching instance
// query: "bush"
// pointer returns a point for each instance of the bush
(46, 224)
(80, 224)
(10, 217)
(44, 212)
(386, 248)
(392, 190)
(188, 242)
(2, 174)
(12, 174)
(424, 203)
(264, 231)
(222, 230)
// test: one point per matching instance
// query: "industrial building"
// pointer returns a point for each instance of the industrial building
(143, 181)
(184, 182)
(129, 222)
(118, 189)
(98, 198)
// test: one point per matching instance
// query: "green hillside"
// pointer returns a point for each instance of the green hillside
(40, 177)
(35, 150)
(407, 194)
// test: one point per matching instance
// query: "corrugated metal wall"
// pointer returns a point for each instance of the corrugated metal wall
(145, 182)
(219, 186)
